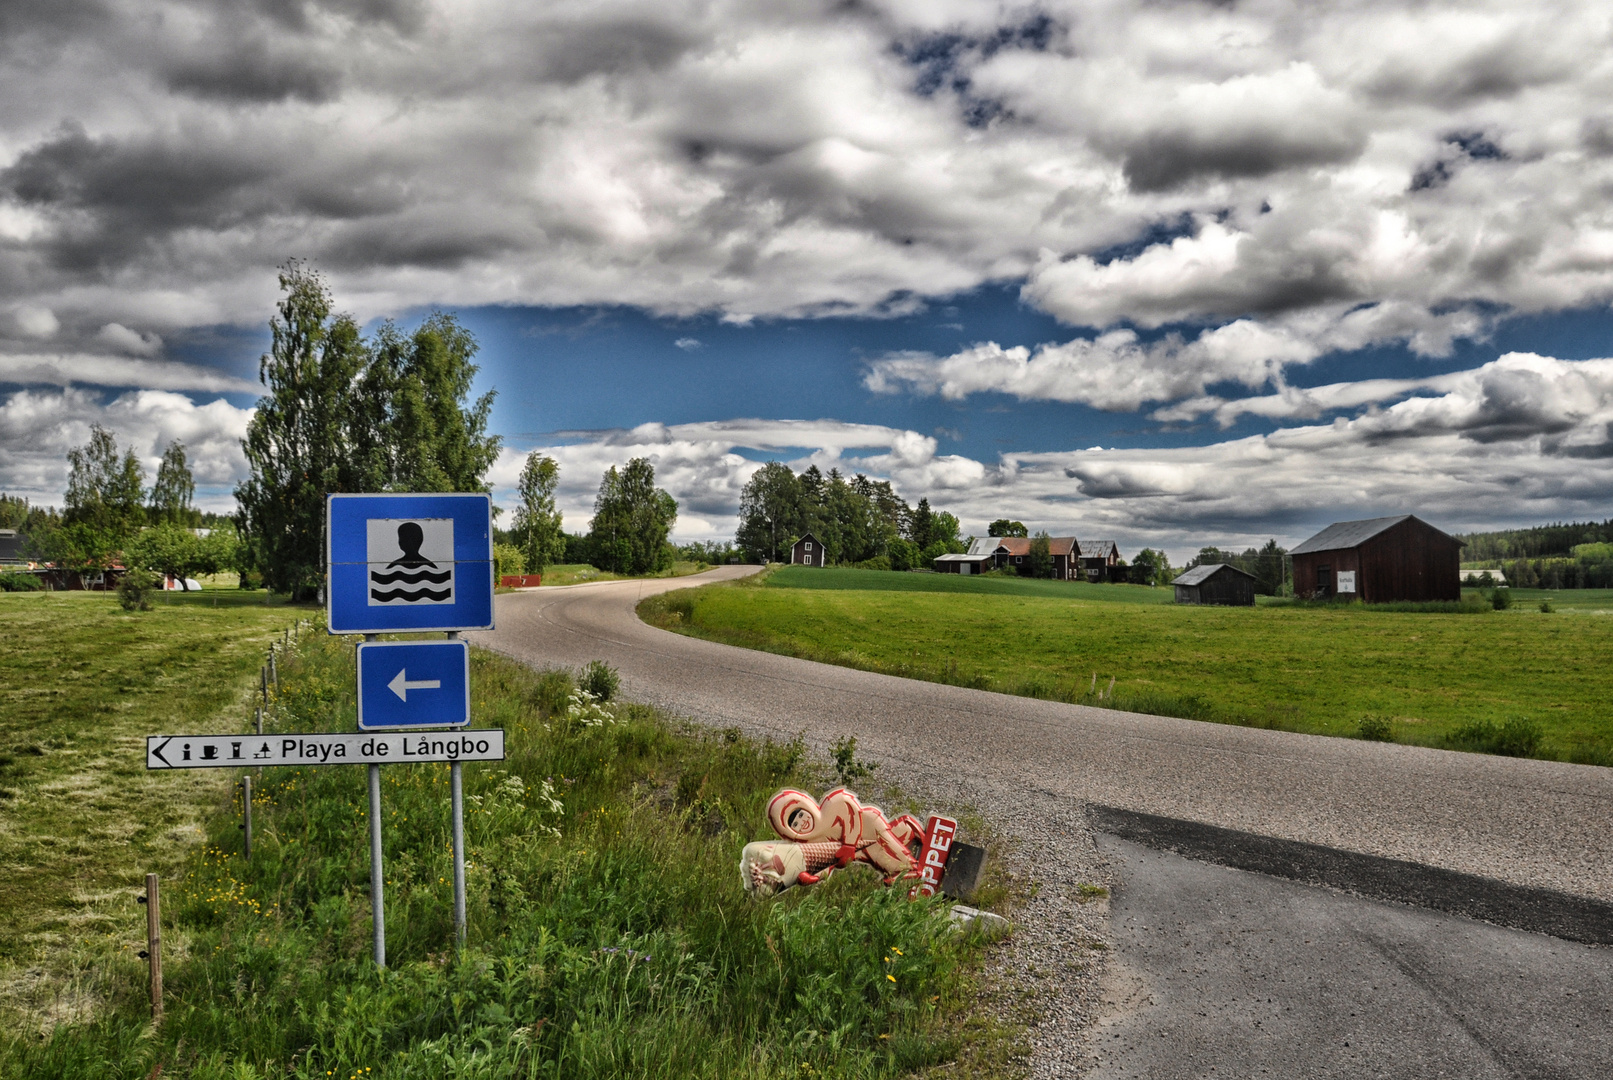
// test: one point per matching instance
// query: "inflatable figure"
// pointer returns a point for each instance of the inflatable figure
(820, 838)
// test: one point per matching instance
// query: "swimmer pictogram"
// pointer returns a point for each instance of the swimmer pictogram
(411, 562)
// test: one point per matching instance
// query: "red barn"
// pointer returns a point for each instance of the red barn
(1379, 560)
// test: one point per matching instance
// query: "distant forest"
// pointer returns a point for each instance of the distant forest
(1563, 556)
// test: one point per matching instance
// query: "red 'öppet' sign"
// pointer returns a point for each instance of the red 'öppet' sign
(938, 837)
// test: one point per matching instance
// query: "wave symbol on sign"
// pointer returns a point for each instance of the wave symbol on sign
(409, 573)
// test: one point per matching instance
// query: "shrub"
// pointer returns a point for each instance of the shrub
(1501, 598)
(878, 562)
(1515, 737)
(600, 680)
(1376, 728)
(20, 583)
(508, 559)
(847, 766)
(135, 588)
(1546, 608)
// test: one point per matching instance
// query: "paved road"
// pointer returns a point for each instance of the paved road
(1527, 822)
(1208, 971)
(1227, 973)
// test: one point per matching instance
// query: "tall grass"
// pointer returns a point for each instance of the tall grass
(609, 936)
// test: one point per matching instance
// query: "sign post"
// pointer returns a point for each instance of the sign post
(394, 564)
(411, 563)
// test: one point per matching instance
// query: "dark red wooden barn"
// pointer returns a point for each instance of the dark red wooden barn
(1378, 561)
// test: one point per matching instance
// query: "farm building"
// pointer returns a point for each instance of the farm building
(995, 552)
(1379, 560)
(808, 551)
(962, 564)
(11, 549)
(1099, 559)
(1216, 583)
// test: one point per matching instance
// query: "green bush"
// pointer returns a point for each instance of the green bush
(20, 583)
(1376, 728)
(1501, 598)
(135, 589)
(1546, 608)
(1515, 737)
(848, 767)
(600, 680)
(508, 559)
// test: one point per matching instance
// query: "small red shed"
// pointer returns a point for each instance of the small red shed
(1379, 560)
(808, 551)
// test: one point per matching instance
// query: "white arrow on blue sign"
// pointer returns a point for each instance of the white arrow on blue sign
(409, 562)
(413, 684)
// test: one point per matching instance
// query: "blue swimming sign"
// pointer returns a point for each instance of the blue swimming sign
(413, 684)
(409, 562)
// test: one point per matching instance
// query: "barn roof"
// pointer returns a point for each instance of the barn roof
(1349, 534)
(806, 536)
(1200, 574)
(1096, 549)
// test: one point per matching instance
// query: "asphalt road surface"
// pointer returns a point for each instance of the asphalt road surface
(1529, 825)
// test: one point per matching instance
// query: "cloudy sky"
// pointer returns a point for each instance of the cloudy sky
(1175, 273)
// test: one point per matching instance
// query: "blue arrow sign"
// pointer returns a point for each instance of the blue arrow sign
(413, 684)
(409, 562)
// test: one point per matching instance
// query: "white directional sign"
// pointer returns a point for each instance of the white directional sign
(347, 748)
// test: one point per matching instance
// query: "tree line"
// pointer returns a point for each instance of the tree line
(860, 522)
(110, 514)
(342, 412)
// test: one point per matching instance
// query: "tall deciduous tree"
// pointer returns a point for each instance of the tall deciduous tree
(174, 489)
(422, 431)
(1005, 527)
(301, 442)
(1039, 562)
(632, 518)
(769, 513)
(536, 528)
(343, 415)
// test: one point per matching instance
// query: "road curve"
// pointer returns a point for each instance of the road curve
(1532, 823)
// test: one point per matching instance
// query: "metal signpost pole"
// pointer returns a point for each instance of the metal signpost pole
(456, 796)
(246, 816)
(377, 885)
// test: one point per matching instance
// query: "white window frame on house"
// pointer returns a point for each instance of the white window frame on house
(809, 545)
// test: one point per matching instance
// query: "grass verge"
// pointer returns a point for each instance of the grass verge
(580, 573)
(82, 682)
(609, 936)
(1424, 676)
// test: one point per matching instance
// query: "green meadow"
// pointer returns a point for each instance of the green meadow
(1453, 679)
(82, 682)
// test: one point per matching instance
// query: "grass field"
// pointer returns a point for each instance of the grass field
(578, 573)
(609, 936)
(1311, 669)
(81, 684)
